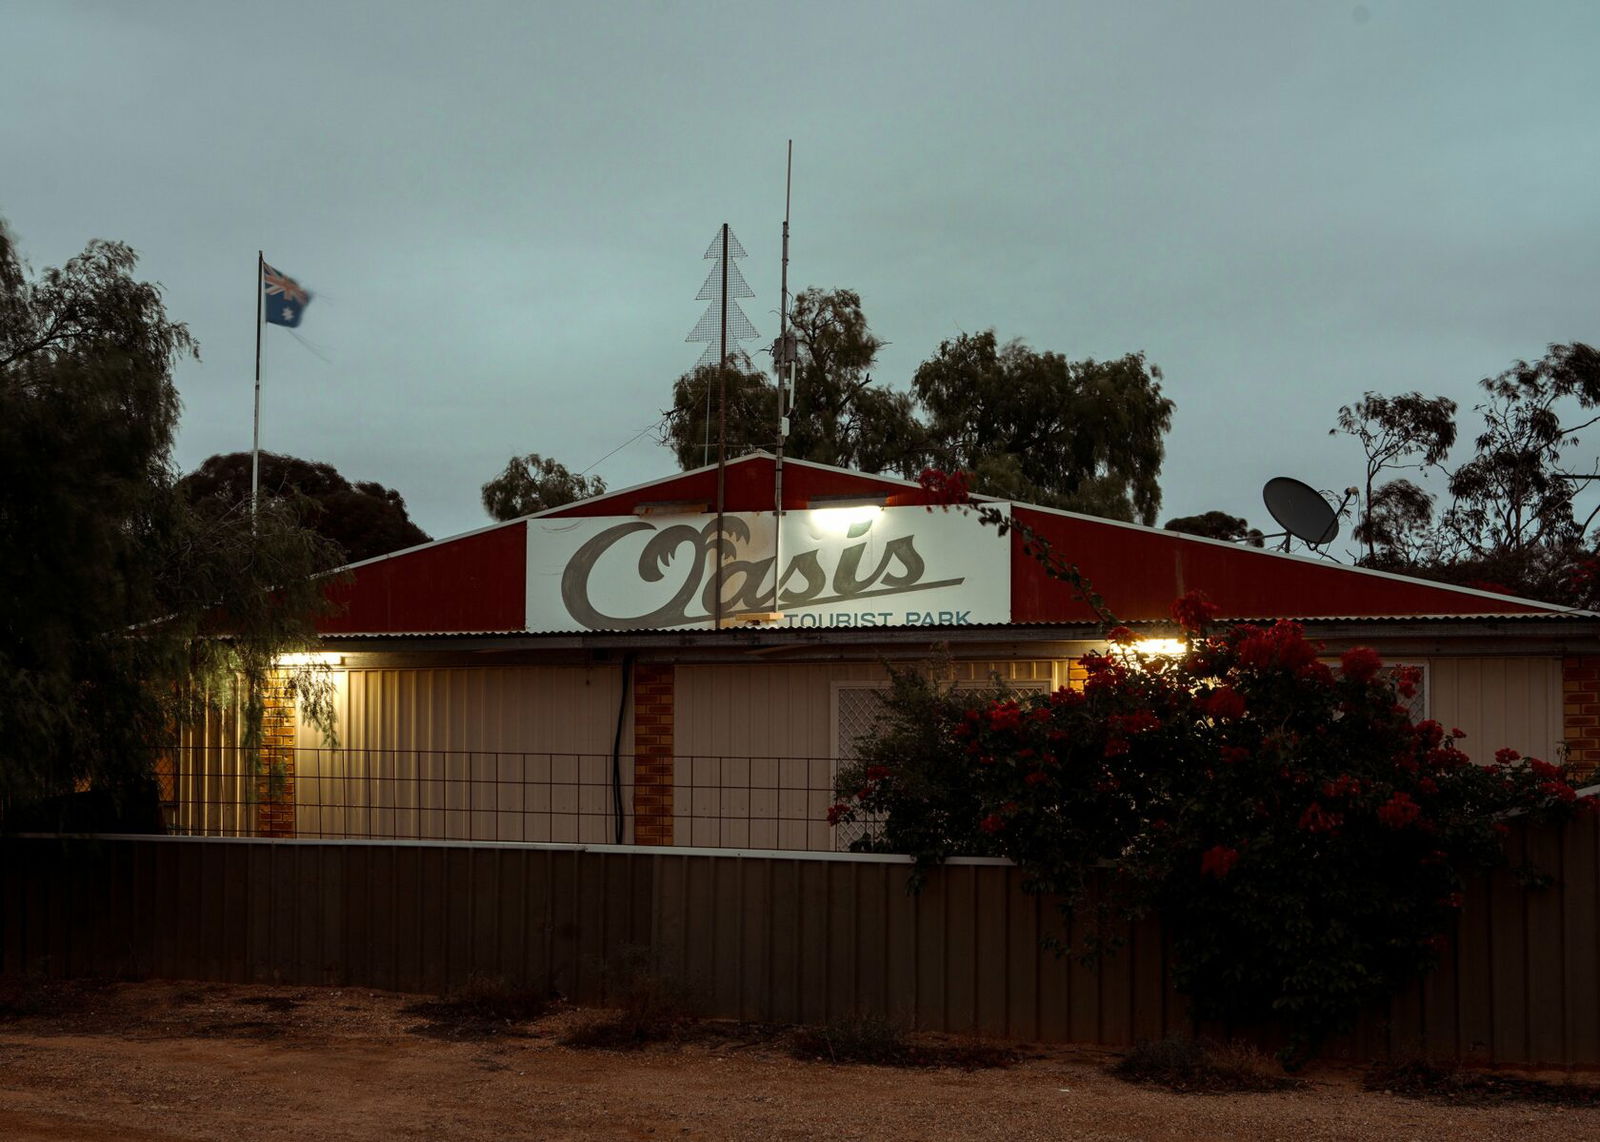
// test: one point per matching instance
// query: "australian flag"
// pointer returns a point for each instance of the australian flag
(284, 298)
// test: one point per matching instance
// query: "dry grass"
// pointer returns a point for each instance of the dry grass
(482, 1008)
(649, 1008)
(1453, 1085)
(879, 1041)
(1203, 1066)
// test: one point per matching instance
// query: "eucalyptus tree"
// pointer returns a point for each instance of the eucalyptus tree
(122, 610)
(1082, 435)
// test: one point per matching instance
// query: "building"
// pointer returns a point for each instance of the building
(567, 677)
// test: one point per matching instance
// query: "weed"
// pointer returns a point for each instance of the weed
(38, 996)
(481, 1008)
(1202, 1066)
(880, 1041)
(1450, 1084)
(649, 1007)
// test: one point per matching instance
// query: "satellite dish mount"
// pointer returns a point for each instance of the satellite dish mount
(1301, 511)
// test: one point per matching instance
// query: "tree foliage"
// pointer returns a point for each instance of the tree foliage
(750, 414)
(1511, 523)
(365, 519)
(1303, 841)
(1082, 435)
(1085, 435)
(1217, 525)
(533, 483)
(840, 416)
(112, 583)
(1404, 431)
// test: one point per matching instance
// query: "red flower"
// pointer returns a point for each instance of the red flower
(877, 772)
(1233, 754)
(1316, 819)
(1399, 811)
(1119, 634)
(1223, 703)
(945, 488)
(1006, 715)
(993, 823)
(1218, 861)
(1282, 646)
(1543, 769)
(1194, 612)
(1360, 664)
(1342, 786)
(1506, 756)
(1037, 777)
(837, 810)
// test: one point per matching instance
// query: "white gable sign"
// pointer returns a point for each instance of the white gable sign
(842, 567)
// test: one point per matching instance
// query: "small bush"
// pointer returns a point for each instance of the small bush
(880, 1041)
(864, 1039)
(650, 1007)
(1202, 1066)
(39, 996)
(1448, 1083)
(482, 1007)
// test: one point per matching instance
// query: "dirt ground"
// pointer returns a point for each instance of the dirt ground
(153, 1062)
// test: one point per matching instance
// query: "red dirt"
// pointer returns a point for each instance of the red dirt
(155, 1062)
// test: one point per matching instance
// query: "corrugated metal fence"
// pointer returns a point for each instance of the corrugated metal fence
(770, 937)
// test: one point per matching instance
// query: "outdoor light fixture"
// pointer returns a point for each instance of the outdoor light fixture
(315, 658)
(1131, 652)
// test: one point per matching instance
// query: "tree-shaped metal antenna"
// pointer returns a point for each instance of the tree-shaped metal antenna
(724, 284)
(723, 322)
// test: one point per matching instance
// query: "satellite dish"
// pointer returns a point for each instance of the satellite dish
(1300, 510)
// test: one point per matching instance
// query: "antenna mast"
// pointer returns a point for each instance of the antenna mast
(783, 357)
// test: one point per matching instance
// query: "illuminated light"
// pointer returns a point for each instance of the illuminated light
(1131, 652)
(316, 658)
(839, 521)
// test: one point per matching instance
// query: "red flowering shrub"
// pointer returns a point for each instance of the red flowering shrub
(946, 489)
(1360, 664)
(1303, 841)
(1218, 861)
(1194, 612)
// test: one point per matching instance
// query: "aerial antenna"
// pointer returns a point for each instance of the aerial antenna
(783, 359)
(1301, 511)
(723, 320)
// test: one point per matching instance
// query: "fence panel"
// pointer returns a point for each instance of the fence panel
(779, 937)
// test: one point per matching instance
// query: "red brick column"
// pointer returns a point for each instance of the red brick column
(1580, 711)
(275, 771)
(652, 754)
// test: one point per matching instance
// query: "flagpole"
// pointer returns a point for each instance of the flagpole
(255, 436)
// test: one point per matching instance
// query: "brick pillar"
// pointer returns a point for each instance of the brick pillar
(1580, 712)
(275, 772)
(652, 754)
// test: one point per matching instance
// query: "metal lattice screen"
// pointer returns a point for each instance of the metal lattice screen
(858, 714)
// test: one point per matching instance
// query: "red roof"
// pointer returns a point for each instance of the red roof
(478, 581)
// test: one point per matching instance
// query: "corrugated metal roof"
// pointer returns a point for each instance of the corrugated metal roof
(1582, 618)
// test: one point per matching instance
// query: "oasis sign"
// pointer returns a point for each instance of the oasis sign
(841, 567)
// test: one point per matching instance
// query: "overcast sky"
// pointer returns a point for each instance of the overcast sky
(501, 207)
